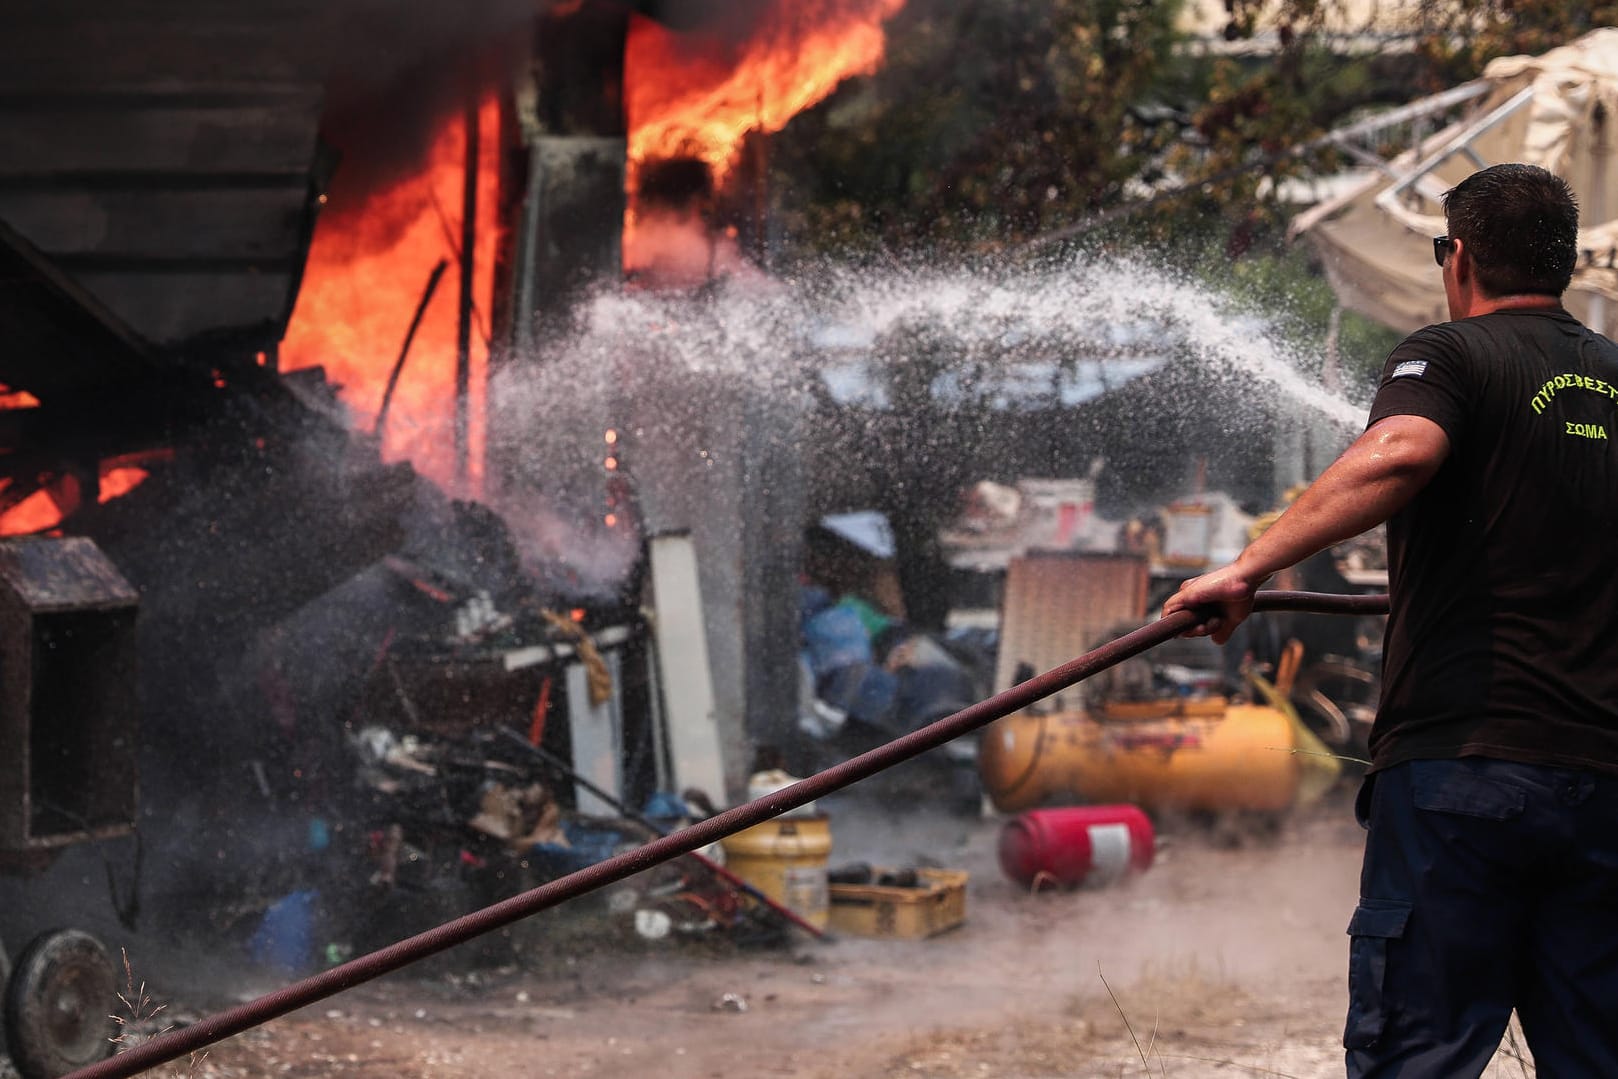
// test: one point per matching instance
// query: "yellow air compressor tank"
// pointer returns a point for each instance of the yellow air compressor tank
(1202, 754)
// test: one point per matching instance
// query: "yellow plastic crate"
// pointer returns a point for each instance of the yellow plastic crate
(873, 910)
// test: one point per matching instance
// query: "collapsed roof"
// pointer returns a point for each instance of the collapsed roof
(1556, 110)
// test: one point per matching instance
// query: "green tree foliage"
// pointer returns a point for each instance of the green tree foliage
(996, 121)
(991, 120)
(1454, 38)
(1313, 68)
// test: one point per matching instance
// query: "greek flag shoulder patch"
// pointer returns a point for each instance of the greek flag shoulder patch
(1409, 369)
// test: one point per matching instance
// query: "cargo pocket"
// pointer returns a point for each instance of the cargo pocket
(1451, 787)
(1362, 800)
(1375, 923)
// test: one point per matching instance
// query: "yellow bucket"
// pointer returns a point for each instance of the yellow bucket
(786, 859)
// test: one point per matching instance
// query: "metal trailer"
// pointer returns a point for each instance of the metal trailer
(68, 727)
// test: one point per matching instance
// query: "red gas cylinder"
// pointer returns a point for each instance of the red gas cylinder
(1089, 845)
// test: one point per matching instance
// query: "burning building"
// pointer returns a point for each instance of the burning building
(267, 271)
(618, 145)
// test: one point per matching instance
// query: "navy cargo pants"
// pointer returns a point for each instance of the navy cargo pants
(1487, 886)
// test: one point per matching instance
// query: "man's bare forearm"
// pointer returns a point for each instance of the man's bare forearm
(1370, 482)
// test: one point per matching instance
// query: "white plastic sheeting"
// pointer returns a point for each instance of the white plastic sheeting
(1558, 111)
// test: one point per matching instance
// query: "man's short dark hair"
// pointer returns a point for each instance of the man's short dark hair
(1521, 224)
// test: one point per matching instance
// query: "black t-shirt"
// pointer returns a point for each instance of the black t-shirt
(1502, 640)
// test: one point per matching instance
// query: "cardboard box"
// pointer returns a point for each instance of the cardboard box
(873, 910)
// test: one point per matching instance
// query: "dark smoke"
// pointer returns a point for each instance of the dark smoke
(680, 184)
(405, 71)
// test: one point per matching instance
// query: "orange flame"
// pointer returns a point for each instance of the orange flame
(36, 513)
(117, 482)
(10, 399)
(690, 95)
(47, 507)
(694, 97)
(367, 270)
(370, 260)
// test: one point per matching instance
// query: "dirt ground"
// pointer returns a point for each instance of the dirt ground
(1222, 960)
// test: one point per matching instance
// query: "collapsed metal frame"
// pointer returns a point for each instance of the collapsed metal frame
(216, 1028)
(1457, 145)
(1415, 198)
(1349, 137)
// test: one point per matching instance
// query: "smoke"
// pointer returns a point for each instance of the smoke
(564, 543)
(402, 72)
(399, 71)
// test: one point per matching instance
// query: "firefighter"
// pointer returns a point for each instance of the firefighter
(1490, 877)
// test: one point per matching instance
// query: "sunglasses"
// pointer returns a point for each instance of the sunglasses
(1442, 246)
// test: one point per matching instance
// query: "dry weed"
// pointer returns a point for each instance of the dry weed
(139, 1022)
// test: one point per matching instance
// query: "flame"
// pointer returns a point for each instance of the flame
(36, 513)
(10, 399)
(374, 250)
(47, 507)
(697, 96)
(368, 267)
(117, 482)
(690, 96)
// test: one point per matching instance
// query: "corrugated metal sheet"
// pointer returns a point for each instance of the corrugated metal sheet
(161, 153)
(1059, 604)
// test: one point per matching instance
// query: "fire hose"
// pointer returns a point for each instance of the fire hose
(215, 1028)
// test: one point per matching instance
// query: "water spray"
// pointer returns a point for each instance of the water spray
(216, 1028)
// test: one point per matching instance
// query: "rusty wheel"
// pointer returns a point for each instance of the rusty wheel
(59, 1002)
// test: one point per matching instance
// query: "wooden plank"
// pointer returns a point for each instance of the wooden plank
(195, 61)
(1058, 605)
(59, 337)
(63, 574)
(596, 733)
(695, 748)
(75, 11)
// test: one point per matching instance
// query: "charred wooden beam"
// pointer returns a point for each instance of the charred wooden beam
(59, 339)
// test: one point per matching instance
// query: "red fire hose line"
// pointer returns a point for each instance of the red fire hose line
(216, 1028)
